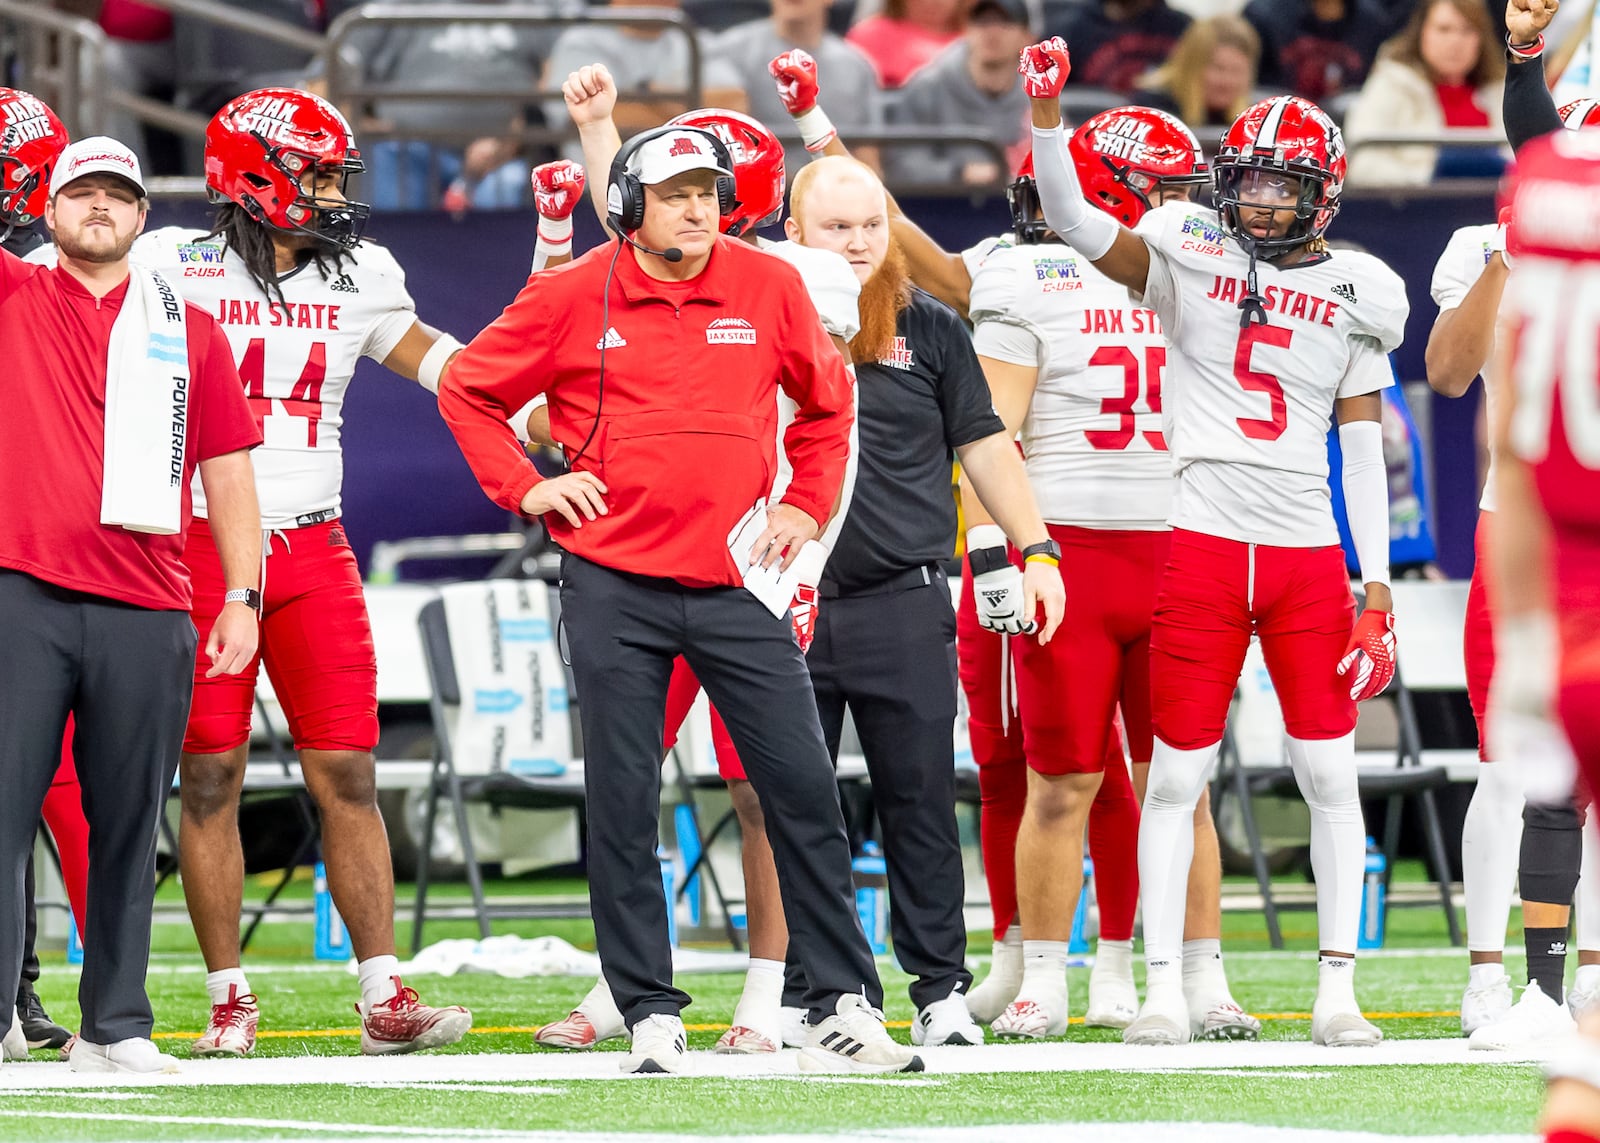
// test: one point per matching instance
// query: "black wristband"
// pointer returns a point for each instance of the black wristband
(985, 560)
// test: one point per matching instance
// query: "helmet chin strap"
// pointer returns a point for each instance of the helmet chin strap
(1253, 307)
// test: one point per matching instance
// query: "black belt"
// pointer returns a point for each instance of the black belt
(311, 518)
(924, 576)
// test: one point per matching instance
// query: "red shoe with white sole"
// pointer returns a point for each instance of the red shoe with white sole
(404, 1024)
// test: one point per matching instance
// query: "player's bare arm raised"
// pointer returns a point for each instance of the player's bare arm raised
(1114, 249)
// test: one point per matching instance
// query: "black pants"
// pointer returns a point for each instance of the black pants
(623, 632)
(890, 656)
(30, 931)
(124, 673)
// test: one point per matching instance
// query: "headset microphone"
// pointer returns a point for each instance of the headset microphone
(671, 253)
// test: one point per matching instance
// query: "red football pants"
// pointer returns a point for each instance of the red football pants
(63, 815)
(682, 690)
(1578, 611)
(1214, 593)
(1477, 641)
(988, 674)
(316, 642)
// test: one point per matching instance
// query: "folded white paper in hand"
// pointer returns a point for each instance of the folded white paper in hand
(773, 588)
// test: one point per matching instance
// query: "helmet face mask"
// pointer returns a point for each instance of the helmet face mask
(262, 150)
(1027, 212)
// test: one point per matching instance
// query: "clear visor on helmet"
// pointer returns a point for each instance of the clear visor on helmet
(1274, 190)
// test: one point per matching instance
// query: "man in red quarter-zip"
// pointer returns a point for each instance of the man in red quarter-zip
(661, 362)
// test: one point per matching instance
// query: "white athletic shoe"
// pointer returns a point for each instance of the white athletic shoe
(659, 1044)
(137, 1056)
(1483, 1005)
(14, 1045)
(1335, 1026)
(1222, 1020)
(989, 997)
(946, 1021)
(1533, 1021)
(1580, 1001)
(741, 1041)
(1026, 1019)
(792, 1025)
(1162, 1020)
(853, 1039)
(1113, 999)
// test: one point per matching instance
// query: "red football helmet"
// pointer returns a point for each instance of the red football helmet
(758, 176)
(31, 139)
(1022, 196)
(1126, 155)
(1287, 136)
(1581, 113)
(260, 145)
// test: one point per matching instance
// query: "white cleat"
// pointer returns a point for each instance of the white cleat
(659, 1045)
(136, 1057)
(1222, 1020)
(1482, 1005)
(946, 1021)
(792, 1025)
(1026, 1019)
(1113, 999)
(14, 1045)
(853, 1039)
(1534, 1021)
(1162, 1020)
(742, 1041)
(1334, 1026)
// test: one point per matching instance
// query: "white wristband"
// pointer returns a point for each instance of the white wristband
(431, 370)
(816, 129)
(555, 230)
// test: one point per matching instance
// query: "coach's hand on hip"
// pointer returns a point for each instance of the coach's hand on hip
(576, 495)
(788, 529)
(232, 644)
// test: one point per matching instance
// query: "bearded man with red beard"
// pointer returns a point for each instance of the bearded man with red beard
(885, 639)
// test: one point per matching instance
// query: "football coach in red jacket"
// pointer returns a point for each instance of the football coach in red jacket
(661, 355)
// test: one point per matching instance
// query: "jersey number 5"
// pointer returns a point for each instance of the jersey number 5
(1271, 428)
(1121, 357)
(304, 402)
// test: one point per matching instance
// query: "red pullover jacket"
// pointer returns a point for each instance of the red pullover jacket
(686, 440)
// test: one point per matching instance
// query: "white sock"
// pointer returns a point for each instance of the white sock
(1166, 846)
(1488, 974)
(1044, 969)
(762, 998)
(1336, 983)
(1203, 977)
(1325, 771)
(217, 984)
(600, 1009)
(1587, 898)
(1113, 958)
(379, 976)
(1489, 842)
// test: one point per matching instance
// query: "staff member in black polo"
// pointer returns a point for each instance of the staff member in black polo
(661, 355)
(885, 638)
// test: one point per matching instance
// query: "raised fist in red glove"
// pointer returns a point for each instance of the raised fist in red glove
(1044, 68)
(558, 188)
(803, 615)
(796, 75)
(1368, 663)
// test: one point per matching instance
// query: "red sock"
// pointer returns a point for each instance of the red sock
(1570, 1135)
(1003, 786)
(1114, 848)
(63, 813)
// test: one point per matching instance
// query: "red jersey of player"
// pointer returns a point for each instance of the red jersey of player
(1269, 337)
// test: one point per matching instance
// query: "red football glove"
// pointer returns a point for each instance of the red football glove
(803, 615)
(796, 74)
(1044, 68)
(558, 188)
(1368, 663)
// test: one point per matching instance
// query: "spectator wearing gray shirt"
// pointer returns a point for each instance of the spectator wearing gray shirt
(847, 75)
(644, 60)
(972, 84)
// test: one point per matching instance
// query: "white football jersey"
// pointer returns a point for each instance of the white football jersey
(1093, 436)
(295, 357)
(1458, 269)
(1247, 409)
(834, 290)
(974, 256)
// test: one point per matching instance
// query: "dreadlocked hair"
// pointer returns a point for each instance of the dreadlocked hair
(252, 241)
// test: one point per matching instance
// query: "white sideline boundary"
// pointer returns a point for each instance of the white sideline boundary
(547, 1067)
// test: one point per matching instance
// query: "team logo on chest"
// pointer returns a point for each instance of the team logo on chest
(730, 331)
(899, 356)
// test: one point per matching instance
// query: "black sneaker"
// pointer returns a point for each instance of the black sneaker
(42, 1032)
